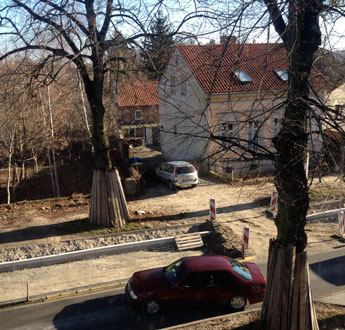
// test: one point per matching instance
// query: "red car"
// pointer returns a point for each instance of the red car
(215, 280)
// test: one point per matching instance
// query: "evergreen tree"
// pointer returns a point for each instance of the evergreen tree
(158, 46)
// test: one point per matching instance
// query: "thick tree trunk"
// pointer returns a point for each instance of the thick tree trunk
(288, 302)
(108, 205)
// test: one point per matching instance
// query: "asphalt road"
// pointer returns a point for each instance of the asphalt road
(105, 310)
(110, 310)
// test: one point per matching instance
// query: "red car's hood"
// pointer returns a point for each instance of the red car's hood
(148, 280)
(256, 273)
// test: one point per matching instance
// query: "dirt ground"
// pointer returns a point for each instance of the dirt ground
(54, 220)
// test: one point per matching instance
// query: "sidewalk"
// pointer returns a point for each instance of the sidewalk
(45, 280)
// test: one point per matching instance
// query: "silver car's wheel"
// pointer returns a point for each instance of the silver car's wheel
(151, 306)
(237, 303)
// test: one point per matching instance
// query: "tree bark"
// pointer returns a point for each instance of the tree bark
(288, 272)
(108, 205)
(56, 178)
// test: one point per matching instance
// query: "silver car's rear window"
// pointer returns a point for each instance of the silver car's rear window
(185, 170)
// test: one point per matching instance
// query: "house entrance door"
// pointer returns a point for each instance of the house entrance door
(148, 135)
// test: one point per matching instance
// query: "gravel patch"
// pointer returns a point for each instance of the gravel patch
(32, 251)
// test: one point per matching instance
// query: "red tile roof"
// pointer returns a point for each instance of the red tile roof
(137, 93)
(213, 67)
(335, 135)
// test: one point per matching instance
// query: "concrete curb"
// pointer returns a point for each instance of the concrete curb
(88, 254)
(65, 293)
(326, 214)
(211, 319)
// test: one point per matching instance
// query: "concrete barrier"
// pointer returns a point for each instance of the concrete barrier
(324, 215)
(89, 253)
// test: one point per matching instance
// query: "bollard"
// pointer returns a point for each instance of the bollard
(213, 211)
(273, 205)
(341, 222)
(245, 241)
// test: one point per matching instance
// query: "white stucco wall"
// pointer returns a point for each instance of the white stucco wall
(182, 117)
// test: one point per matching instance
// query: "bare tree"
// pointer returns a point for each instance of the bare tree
(81, 33)
(20, 130)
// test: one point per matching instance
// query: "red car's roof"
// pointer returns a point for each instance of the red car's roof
(202, 263)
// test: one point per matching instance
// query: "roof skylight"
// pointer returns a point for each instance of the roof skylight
(282, 74)
(243, 77)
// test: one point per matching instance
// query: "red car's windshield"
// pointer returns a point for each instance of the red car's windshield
(174, 272)
(240, 269)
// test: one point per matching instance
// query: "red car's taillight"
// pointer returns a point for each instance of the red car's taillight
(175, 173)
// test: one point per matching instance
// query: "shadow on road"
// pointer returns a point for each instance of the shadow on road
(114, 312)
(330, 270)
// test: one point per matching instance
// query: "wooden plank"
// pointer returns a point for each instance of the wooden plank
(188, 241)
(123, 197)
(92, 200)
(270, 284)
(97, 214)
(193, 242)
(182, 248)
(295, 295)
(118, 199)
(186, 244)
(111, 197)
(276, 301)
(286, 277)
(313, 318)
(303, 293)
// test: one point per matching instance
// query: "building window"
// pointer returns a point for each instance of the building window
(253, 127)
(138, 115)
(338, 112)
(183, 87)
(282, 74)
(275, 126)
(172, 84)
(226, 132)
(242, 77)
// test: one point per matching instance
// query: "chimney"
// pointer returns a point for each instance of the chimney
(224, 39)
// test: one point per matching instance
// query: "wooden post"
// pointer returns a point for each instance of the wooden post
(27, 292)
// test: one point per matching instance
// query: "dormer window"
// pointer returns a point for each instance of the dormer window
(138, 115)
(282, 74)
(243, 77)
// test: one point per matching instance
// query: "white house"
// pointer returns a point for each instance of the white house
(235, 91)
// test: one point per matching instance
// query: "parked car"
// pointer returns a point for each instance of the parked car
(178, 174)
(215, 280)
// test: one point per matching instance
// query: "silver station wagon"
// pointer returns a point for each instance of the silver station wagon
(178, 174)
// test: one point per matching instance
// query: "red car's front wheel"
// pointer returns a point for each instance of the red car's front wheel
(237, 303)
(151, 306)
